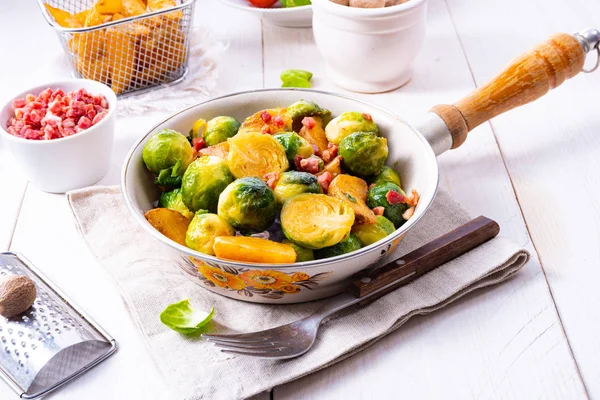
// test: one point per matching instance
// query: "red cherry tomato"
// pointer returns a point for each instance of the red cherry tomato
(262, 3)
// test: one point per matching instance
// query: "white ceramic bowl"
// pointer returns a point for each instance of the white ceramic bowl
(409, 152)
(369, 50)
(73, 162)
(293, 17)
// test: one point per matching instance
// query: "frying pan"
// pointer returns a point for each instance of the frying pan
(412, 150)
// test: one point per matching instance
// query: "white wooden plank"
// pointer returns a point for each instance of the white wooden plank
(505, 342)
(45, 232)
(550, 148)
(11, 196)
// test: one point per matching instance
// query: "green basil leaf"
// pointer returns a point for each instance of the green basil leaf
(295, 73)
(182, 318)
(296, 82)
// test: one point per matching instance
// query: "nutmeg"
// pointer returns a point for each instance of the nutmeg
(17, 294)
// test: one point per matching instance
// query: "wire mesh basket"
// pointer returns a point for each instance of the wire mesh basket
(129, 54)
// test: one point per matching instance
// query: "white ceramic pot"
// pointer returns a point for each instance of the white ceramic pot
(369, 50)
(73, 162)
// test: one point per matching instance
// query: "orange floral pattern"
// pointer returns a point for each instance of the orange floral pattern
(267, 283)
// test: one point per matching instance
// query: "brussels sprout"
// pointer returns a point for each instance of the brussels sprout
(203, 181)
(345, 246)
(315, 221)
(386, 174)
(168, 152)
(203, 230)
(255, 154)
(294, 145)
(302, 254)
(248, 204)
(363, 153)
(219, 129)
(172, 200)
(393, 212)
(349, 122)
(303, 108)
(198, 129)
(292, 183)
(371, 233)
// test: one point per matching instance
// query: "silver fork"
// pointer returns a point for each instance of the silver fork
(296, 338)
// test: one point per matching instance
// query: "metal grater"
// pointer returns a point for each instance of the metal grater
(52, 342)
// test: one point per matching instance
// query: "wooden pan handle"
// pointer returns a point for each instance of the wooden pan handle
(526, 78)
(424, 259)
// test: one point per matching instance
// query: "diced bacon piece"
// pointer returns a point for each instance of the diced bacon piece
(19, 112)
(408, 213)
(55, 107)
(84, 123)
(278, 121)
(378, 210)
(315, 149)
(271, 179)
(413, 198)
(368, 117)
(297, 160)
(308, 122)
(29, 98)
(330, 153)
(310, 165)
(266, 117)
(18, 103)
(68, 123)
(324, 180)
(371, 186)
(99, 117)
(394, 197)
(266, 130)
(198, 143)
(36, 105)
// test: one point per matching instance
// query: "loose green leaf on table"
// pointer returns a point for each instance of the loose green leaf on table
(181, 317)
(296, 78)
(294, 3)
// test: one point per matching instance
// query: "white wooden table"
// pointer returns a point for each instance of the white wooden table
(534, 170)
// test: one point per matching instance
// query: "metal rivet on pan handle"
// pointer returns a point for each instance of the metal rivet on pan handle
(590, 40)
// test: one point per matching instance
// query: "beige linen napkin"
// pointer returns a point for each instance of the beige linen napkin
(149, 281)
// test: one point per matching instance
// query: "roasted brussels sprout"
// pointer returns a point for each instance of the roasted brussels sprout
(294, 145)
(315, 221)
(198, 129)
(345, 246)
(363, 153)
(386, 174)
(378, 197)
(255, 154)
(303, 108)
(203, 181)
(173, 201)
(371, 233)
(270, 121)
(248, 204)
(219, 129)
(292, 183)
(169, 152)
(349, 122)
(302, 254)
(203, 230)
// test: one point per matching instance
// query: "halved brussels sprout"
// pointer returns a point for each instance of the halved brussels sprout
(255, 154)
(270, 121)
(292, 183)
(203, 181)
(371, 233)
(304, 108)
(198, 128)
(168, 152)
(345, 246)
(173, 201)
(363, 153)
(315, 221)
(248, 204)
(378, 198)
(349, 122)
(203, 230)
(294, 145)
(353, 191)
(386, 174)
(302, 254)
(219, 129)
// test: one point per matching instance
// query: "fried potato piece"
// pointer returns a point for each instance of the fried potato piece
(169, 222)
(97, 69)
(272, 121)
(63, 18)
(219, 150)
(156, 5)
(120, 50)
(353, 191)
(133, 7)
(82, 16)
(316, 134)
(252, 249)
(88, 45)
(334, 167)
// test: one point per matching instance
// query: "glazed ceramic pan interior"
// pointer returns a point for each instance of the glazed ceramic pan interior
(409, 153)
